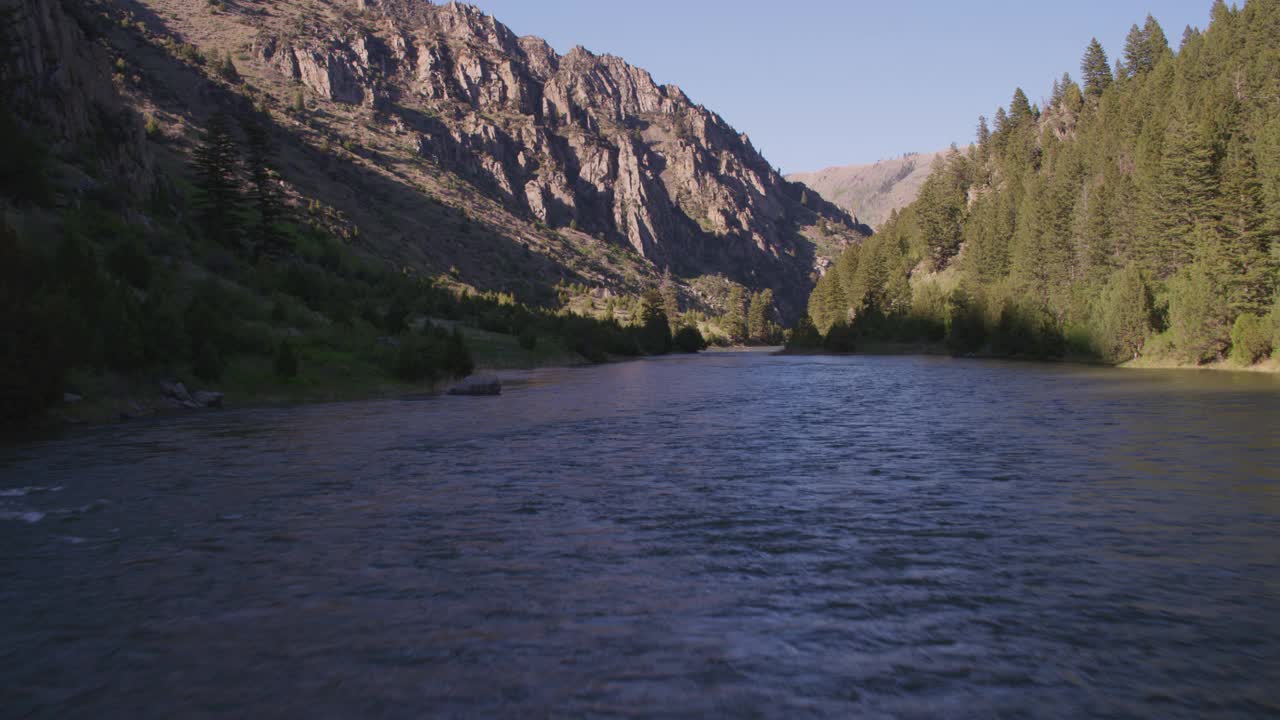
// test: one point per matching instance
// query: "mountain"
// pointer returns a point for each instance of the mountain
(1136, 216)
(872, 192)
(436, 139)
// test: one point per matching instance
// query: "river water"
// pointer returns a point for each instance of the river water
(734, 534)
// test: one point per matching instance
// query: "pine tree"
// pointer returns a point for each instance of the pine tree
(758, 324)
(1095, 69)
(735, 323)
(1181, 198)
(670, 299)
(264, 190)
(1245, 265)
(217, 178)
(1020, 109)
(940, 209)
(655, 330)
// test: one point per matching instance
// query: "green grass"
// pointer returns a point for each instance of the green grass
(494, 351)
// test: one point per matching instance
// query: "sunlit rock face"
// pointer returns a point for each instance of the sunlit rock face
(579, 139)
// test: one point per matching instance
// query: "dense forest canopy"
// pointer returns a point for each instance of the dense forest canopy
(1135, 214)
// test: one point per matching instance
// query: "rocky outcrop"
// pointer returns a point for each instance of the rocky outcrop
(478, 386)
(581, 139)
(54, 73)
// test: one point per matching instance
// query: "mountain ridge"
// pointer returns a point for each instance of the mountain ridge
(872, 191)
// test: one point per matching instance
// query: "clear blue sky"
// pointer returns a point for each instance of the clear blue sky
(834, 82)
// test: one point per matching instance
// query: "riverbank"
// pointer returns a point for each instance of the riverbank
(1271, 365)
(247, 382)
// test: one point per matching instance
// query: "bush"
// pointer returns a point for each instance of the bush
(528, 340)
(286, 362)
(1198, 315)
(689, 340)
(431, 354)
(208, 364)
(804, 335)
(396, 319)
(966, 330)
(164, 337)
(129, 261)
(1124, 317)
(840, 338)
(1250, 339)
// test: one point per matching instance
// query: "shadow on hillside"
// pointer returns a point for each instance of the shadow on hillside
(399, 223)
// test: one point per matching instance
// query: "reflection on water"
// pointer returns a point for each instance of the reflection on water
(726, 535)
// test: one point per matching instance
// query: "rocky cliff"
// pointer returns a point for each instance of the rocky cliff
(578, 140)
(437, 139)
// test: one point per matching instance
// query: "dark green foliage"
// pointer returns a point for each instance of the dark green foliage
(396, 319)
(966, 328)
(226, 69)
(34, 356)
(804, 335)
(207, 364)
(24, 163)
(528, 339)
(1125, 317)
(129, 261)
(1198, 315)
(1095, 69)
(218, 180)
(655, 330)
(285, 363)
(1250, 339)
(433, 354)
(264, 191)
(761, 329)
(689, 340)
(1146, 208)
(734, 322)
(840, 338)
(670, 300)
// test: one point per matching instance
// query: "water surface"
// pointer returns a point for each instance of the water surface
(727, 535)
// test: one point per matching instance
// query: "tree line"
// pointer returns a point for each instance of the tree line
(1134, 215)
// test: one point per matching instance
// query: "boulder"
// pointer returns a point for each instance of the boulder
(478, 386)
(176, 391)
(207, 399)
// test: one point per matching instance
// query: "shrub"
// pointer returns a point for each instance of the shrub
(1250, 339)
(804, 335)
(840, 338)
(286, 362)
(966, 330)
(207, 364)
(528, 339)
(689, 340)
(129, 261)
(1198, 315)
(1124, 318)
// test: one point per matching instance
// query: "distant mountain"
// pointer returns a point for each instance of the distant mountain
(872, 192)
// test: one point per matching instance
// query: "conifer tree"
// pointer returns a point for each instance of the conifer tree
(1020, 109)
(735, 323)
(670, 299)
(655, 330)
(217, 178)
(1095, 69)
(1245, 264)
(264, 190)
(758, 316)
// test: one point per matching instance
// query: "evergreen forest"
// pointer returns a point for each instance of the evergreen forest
(1133, 215)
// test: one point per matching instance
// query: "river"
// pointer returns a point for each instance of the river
(733, 534)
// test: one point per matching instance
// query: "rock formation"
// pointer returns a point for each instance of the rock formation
(581, 139)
